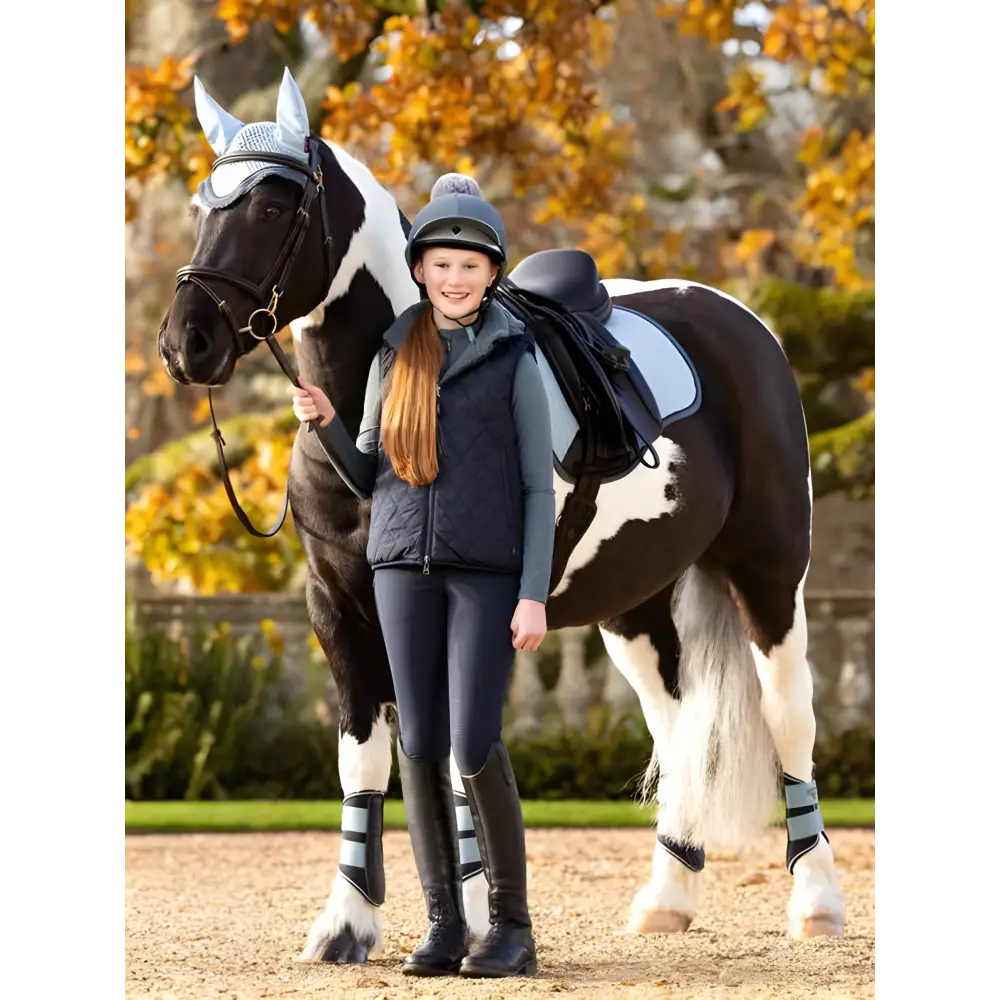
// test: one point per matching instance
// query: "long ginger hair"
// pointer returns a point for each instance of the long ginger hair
(409, 417)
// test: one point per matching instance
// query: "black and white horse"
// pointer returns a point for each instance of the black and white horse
(693, 570)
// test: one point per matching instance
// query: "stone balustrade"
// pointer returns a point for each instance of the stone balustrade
(559, 684)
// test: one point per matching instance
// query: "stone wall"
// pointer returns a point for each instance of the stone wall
(841, 655)
(843, 545)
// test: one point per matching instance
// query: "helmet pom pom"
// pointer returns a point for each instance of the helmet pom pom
(455, 184)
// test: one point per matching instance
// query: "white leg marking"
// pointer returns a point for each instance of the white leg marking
(669, 900)
(639, 496)
(362, 767)
(816, 905)
(475, 890)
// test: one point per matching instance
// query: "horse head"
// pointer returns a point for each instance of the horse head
(264, 246)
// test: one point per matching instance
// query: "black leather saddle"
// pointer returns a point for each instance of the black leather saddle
(558, 295)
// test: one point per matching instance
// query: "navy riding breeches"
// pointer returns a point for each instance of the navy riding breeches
(448, 636)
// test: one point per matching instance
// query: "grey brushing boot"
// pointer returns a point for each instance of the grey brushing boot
(508, 948)
(430, 817)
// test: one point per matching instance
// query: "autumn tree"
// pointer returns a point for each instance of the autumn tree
(773, 200)
(510, 90)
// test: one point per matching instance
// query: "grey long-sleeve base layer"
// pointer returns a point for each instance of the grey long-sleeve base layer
(357, 464)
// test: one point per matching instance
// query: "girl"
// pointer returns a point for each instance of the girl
(455, 450)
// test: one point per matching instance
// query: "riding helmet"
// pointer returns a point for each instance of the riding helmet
(458, 216)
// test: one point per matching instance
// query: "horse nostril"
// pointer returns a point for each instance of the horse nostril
(197, 346)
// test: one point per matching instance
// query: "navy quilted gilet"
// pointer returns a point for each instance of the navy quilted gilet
(472, 515)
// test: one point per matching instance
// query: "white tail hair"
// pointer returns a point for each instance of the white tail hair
(718, 773)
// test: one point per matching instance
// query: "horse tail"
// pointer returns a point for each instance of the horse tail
(719, 769)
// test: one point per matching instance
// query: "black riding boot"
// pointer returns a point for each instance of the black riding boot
(508, 948)
(430, 817)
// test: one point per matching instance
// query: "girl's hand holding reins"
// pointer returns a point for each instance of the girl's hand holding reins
(311, 402)
(528, 624)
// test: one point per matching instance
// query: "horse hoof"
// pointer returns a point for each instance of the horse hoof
(660, 922)
(820, 926)
(346, 948)
(347, 931)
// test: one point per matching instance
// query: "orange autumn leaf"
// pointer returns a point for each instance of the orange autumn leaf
(162, 139)
(135, 363)
(753, 242)
(865, 383)
(812, 146)
(201, 411)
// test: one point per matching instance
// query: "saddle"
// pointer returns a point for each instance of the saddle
(615, 416)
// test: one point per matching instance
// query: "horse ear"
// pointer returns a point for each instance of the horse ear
(292, 116)
(218, 124)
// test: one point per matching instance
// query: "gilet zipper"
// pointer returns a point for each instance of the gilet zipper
(430, 503)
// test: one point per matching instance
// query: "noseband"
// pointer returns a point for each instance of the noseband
(269, 291)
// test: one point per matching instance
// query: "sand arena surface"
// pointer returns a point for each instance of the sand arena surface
(225, 915)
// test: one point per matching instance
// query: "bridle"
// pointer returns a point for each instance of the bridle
(267, 291)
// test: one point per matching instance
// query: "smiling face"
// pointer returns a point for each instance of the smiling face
(456, 280)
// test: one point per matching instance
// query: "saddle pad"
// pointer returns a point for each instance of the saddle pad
(661, 360)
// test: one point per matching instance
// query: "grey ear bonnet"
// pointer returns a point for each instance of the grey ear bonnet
(228, 183)
(288, 134)
(458, 220)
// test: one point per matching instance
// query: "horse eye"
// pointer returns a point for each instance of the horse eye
(272, 212)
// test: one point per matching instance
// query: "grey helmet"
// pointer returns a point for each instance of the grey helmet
(457, 216)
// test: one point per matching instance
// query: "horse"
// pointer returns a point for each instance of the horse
(692, 568)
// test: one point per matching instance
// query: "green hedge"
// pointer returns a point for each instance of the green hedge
(211, 717)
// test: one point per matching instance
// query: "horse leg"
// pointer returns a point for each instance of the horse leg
(475, 889)
(349, 929)
(775, 620)
(644, 647)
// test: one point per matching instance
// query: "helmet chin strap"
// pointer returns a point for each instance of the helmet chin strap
(483, 302)
(475, 312)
